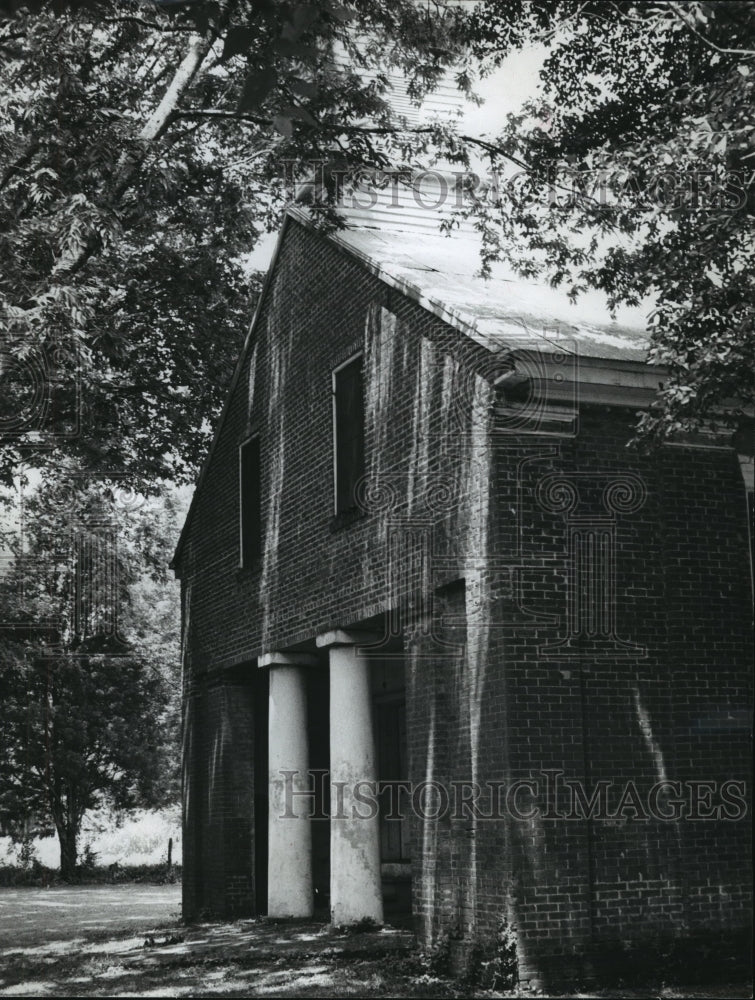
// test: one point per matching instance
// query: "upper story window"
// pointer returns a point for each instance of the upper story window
(250, 496)
(348, 432)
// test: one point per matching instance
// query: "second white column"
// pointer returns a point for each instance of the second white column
(289, 875)
(355, 886)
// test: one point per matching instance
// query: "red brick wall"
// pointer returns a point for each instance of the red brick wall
(457, 499)
(219, 785)
(673, 708)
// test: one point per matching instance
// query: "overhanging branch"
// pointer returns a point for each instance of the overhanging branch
(215, 114)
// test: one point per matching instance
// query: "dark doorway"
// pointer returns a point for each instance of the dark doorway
(389, 717)
(318, 707)
(390, 737)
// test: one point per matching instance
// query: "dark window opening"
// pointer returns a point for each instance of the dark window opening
(348, 428)
(251, 505)
(390, 739)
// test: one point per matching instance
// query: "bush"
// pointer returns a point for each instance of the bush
(36, 875)
(40, 875)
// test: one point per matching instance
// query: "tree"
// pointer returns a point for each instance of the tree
(79, 730)
(88, 671)
(122, 304)
(140, 158)
(634, 175)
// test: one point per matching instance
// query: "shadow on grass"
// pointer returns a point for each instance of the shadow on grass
(251, 958)
(225, 959)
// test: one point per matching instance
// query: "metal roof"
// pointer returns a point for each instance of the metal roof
(502, 312)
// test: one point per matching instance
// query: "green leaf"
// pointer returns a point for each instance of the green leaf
(256, 88)
(304, 87)
(283, 125)
(238, 40)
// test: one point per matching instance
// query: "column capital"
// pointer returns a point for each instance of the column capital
(347, 637)
(277, 658)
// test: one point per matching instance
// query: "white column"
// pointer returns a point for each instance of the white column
(355, 887)
(289, 869)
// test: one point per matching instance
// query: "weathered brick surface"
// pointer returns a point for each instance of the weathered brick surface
(491, 697)
(219, 785)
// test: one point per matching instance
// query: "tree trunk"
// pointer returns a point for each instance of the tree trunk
(153, 128)
(68, 853)
(158, 120)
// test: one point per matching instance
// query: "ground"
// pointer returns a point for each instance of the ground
(127, 941)
(39, 917)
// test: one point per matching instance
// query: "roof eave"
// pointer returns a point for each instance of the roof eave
(636, 370)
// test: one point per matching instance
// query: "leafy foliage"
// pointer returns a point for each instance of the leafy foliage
(88, 671)
(638, 156)
(144, 149)
(140, 159)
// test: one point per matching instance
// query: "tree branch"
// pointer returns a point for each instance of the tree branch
(152, 129)
(158, 121)
(682, 15)
(218, 115)
(491, 148)
(129, 19)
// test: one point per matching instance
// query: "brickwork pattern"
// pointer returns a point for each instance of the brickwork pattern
(501, 683)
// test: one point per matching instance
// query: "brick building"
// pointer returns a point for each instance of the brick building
(420, 557)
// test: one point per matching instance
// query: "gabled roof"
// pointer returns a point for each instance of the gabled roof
(504, 314)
